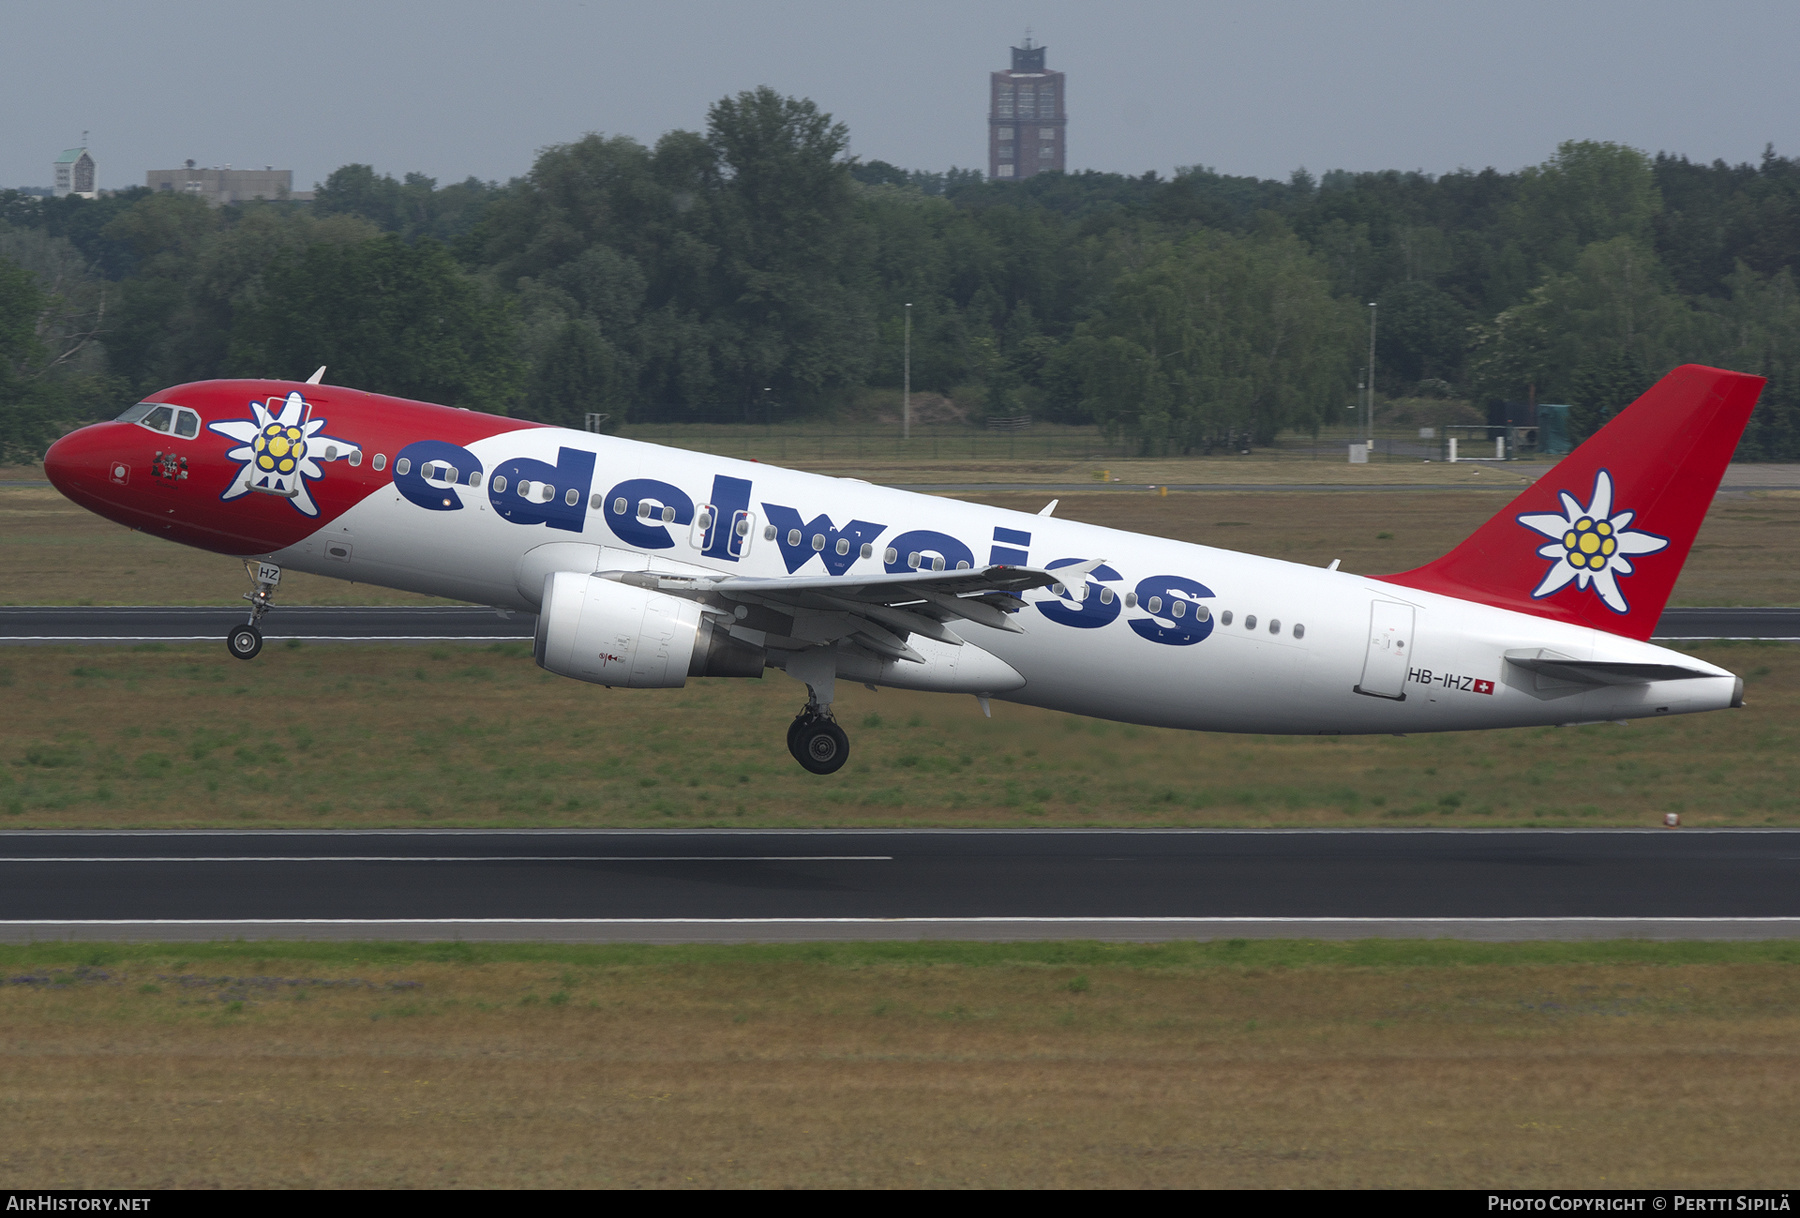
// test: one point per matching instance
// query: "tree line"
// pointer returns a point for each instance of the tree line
(753, 271)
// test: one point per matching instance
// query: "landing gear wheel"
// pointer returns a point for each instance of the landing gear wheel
(819, 744)
(244, 641)
(800, 721)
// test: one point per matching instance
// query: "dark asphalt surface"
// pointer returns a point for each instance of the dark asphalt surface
(400, 623)
(900, 874)
(81, 624)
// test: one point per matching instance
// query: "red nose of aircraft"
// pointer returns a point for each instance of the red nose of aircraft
(84, 463)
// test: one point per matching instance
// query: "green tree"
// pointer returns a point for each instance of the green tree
(577, 372)
(1758, 330)
(1589, 192)
(1595, 336)
(792, 249)
(414, 208)
(21, 357)
(385, 316)
(1220, 340)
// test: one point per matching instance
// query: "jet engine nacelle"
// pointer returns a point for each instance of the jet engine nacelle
(610, 633)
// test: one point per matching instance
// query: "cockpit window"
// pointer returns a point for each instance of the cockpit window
(170, 420)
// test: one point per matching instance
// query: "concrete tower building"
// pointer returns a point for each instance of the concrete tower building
(1026, 119)
(73, 174)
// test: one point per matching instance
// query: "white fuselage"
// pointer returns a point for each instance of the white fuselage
(1284, 648)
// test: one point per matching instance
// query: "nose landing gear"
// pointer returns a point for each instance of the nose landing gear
(245, 641)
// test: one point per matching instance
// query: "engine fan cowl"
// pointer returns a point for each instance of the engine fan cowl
(611, 633)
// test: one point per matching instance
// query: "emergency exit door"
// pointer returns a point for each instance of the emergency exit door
(1389, 656)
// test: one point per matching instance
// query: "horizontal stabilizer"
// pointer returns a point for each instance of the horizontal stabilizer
(1599, 672)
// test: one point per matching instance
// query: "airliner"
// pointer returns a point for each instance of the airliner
(648, 565)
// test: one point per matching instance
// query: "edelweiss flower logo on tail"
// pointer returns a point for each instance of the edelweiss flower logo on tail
(279, 449)
(1590, 544)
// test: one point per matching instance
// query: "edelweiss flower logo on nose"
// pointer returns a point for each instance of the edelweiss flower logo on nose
(1590, 544)
(277, 448)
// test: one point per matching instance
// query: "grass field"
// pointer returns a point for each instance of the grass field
(1228, 1064)
(433, 736)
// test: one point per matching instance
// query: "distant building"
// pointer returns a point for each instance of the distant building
(221, 186)
(1027, 121)
(74, 174)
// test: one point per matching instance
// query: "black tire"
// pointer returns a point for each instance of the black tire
(793, 736)
(244, 642)
(822, 747)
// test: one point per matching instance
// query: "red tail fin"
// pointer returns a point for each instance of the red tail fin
(1600, 539)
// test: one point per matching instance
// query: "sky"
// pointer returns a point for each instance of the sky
(470, 87)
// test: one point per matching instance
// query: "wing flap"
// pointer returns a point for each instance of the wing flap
(879, 611)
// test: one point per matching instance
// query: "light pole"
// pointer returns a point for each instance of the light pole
(906, 381)
(1369, 420)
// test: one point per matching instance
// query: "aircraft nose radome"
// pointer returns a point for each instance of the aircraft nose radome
(80, 460)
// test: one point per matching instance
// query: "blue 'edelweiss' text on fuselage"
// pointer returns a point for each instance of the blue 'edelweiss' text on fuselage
(641, 511)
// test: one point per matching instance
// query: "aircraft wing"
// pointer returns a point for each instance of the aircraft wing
(878, 612)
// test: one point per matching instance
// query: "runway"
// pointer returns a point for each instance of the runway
(896, 884)
(309, 623)
(474, 624)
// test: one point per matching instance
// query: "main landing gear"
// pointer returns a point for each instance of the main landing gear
(814, 738)
(817, 742)
(244, 642)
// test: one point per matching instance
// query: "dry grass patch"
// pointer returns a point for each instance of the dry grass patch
(359, 736)
(1247, 1065)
